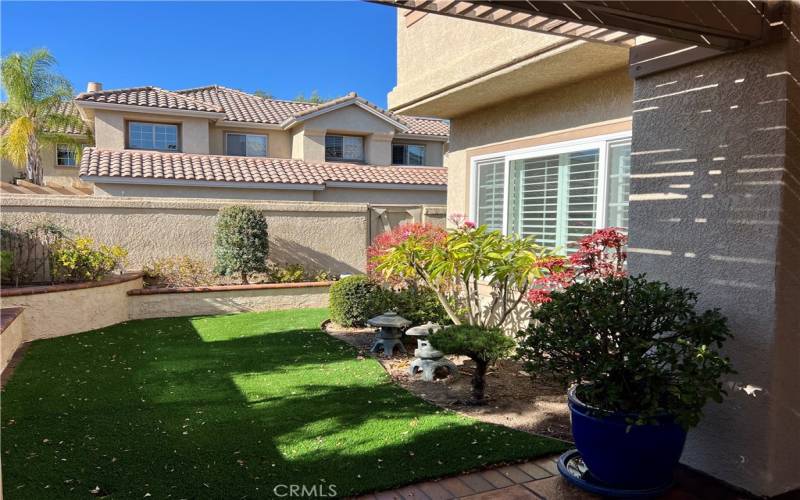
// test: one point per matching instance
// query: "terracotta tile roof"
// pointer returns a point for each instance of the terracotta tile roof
(426, 126)
(237, 169)
(243, 107)
(149, 97)
(63, 108)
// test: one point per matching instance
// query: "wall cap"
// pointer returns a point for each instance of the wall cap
(66, 287)
(10, 200)
(229, 288)
(8, 315)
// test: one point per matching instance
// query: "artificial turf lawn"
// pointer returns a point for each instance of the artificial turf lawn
(226, 407)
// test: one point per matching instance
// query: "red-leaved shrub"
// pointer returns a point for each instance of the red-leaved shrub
(428, 233)
(599, 255)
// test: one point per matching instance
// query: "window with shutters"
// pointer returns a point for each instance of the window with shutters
(557, 193)
(491, 175)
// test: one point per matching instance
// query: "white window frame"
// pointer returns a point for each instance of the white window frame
(600, 142)
(178, 138)
(266, 144)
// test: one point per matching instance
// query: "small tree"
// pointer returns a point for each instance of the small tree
(483, 345)
(241, 245)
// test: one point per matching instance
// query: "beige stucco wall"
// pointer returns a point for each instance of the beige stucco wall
(110, 129)
(322, 236)
(65, 176)
(205, 303)
(63, 313)
(539, 118)
(279, 142)
(727, 130)
(11, 338)
(447, 66)
(381, 196)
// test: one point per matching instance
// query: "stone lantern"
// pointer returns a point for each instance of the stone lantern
(428, 360)
(391, 332)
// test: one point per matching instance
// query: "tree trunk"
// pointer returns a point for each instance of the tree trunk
(34, 167)
(244, 278)
(479, 381)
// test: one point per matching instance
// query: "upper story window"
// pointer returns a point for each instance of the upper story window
(66, 156)
(245, 145)
(344, 148)
(408, 154)
(158, 136)
(558, 194)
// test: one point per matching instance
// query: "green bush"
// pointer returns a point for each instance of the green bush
(240, 245)
(82, 260)
(634, 346)
(355, 299)
(291, 273)
(418, 305)
(178, 271)
(483, 345)
(6, 265)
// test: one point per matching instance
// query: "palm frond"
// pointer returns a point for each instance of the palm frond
(14, 142)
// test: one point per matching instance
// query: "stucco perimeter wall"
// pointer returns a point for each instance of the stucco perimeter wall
(234, 299)
(11, 336)
(715, 205)
(592, 107)
(72, 309)
(322, 236)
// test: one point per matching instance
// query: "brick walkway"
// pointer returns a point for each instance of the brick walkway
(538, 479)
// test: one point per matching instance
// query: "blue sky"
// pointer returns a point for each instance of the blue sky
(284, 48)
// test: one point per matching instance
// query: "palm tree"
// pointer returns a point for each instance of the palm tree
(33, 114)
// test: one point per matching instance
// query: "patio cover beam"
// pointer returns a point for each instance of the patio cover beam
(714, 25)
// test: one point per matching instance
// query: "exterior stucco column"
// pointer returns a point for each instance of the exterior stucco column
(715, 206)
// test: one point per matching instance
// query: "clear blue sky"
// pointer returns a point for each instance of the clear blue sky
(284, 48)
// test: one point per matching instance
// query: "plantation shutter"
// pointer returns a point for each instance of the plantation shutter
(619, 184)
(554, 197)
(491, 177)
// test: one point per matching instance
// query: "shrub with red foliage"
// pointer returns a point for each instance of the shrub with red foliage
(600, 255)
(429, 233)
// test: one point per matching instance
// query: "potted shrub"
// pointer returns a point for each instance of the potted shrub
(641, 364)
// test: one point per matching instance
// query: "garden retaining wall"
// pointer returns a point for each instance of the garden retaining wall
(55, 310)
(320, 235)
(40, 312)
(171, 302)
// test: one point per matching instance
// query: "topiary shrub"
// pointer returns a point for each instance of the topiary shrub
(240, 244)
(483, 345)
(355, 299)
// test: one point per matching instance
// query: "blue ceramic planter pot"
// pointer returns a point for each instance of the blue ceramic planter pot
(623, 455)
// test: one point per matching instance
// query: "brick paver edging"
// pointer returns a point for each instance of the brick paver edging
(65, 287)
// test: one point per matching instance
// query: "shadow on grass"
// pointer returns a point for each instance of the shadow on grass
(228, 406)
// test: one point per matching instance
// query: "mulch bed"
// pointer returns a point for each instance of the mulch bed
(538, 406)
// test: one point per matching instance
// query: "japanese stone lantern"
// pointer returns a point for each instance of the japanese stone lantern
(391, 332)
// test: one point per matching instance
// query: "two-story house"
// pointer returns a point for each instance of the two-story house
(216, 142)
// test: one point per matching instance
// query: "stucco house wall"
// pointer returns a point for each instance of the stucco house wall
(111, 130)
(584, 109)
(65, 176)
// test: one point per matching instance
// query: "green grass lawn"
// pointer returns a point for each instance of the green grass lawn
(226, 406)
